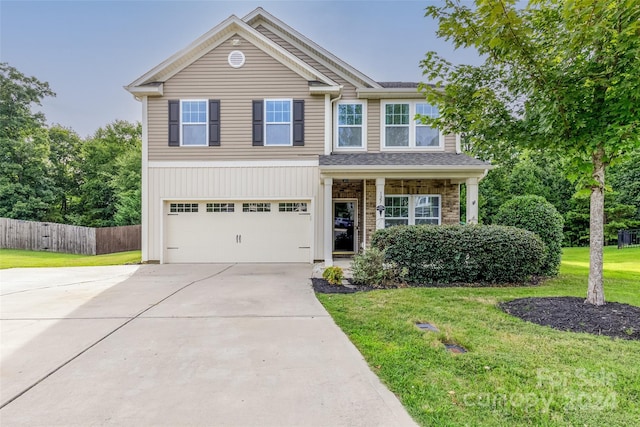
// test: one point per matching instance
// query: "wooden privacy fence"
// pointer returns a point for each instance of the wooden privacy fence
(72, 239)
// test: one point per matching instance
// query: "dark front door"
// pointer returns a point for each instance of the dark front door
(344, 225)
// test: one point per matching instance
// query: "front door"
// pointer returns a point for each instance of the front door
(344, 226)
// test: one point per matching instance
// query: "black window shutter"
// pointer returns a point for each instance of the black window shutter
(298, 122)
(214, 122)
(258, 119)
(174, 123)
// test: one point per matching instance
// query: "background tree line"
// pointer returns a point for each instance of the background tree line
(540, 174)
(50, 173)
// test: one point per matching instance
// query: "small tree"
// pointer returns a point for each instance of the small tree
(535, 214)
(559, 76)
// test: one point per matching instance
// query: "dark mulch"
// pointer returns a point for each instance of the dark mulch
(321, 286)
(572, 314)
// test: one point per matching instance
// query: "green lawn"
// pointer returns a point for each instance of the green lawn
(515, 373)
(14, 258)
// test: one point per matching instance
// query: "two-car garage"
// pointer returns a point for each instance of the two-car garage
(237, 231)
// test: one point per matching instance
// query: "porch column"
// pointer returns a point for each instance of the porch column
(472, 200)
(379, 202)
(328, 222)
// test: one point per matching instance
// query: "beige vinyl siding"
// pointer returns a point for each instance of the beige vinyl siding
(211, 77)
(450, 143)
(348, 90)
(231, 184)
(373, 123)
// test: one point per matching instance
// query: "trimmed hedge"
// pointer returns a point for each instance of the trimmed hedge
(535, 214)
(461, 253)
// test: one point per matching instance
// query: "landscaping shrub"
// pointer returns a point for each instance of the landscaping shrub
(461, 253)
(333, 275)
(535, 214)
(368, 268)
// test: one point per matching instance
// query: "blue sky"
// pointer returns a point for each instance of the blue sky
(88, 50)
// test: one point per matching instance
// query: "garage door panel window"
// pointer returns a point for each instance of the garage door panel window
(292, 207)
(220, 207)
(183, 207)
(256, 207)
(412, 210)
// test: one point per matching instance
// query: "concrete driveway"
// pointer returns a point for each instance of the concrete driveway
(206, 344)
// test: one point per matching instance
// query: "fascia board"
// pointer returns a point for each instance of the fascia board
(400, 173)
(313, 49)
(389, 93)
(146, 90)
(218, 35)
(321, 90)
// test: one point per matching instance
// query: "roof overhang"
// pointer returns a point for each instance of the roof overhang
(147, 90)
(403, 172)
(215, 37)
(261, 17)
(389, 93)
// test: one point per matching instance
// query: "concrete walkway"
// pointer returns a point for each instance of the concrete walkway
(198, 345)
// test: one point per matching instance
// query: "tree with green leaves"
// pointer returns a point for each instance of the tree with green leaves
(561, 77)
(101, 155)
(27, 189)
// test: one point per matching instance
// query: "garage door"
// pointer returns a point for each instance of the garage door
(237, 231)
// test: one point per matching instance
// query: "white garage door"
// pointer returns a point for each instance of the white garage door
(237, 231)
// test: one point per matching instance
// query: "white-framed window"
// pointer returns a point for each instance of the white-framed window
(351, 129)
(400, 130)
(183, 207)
(277, 122)
(292, 207)
(256, 207)
(412, 210)
(220, 207)
(194, 116)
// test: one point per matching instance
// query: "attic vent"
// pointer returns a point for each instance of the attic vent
(236, 59)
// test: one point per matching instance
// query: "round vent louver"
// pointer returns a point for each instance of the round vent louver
(236, 59)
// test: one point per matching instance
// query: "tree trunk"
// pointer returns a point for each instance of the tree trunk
(595, 294)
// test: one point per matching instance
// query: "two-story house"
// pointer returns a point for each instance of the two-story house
(261, 146)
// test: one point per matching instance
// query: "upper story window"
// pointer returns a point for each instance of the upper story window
(277, 121)
(400, 130)
(351, 134)
(193, 122)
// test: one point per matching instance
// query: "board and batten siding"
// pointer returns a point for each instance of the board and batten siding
(200, 184)
(211, 77)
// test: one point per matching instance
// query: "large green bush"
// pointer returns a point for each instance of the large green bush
(428, 254)
(535, 214)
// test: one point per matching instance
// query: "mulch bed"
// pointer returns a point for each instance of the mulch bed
(321, 286)
(572, 314)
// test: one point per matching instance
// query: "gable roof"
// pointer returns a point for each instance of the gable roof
(151, 82)
(261, 17)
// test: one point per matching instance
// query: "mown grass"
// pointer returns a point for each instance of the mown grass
(515, 373)
(14, 258)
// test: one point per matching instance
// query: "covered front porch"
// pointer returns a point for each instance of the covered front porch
(361, 198)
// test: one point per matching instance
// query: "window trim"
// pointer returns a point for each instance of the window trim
(363, 126)
(412, 206)
(205, 124)
(412, 127)
(266, 123)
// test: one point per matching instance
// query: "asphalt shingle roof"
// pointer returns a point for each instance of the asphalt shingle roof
(400, 159)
